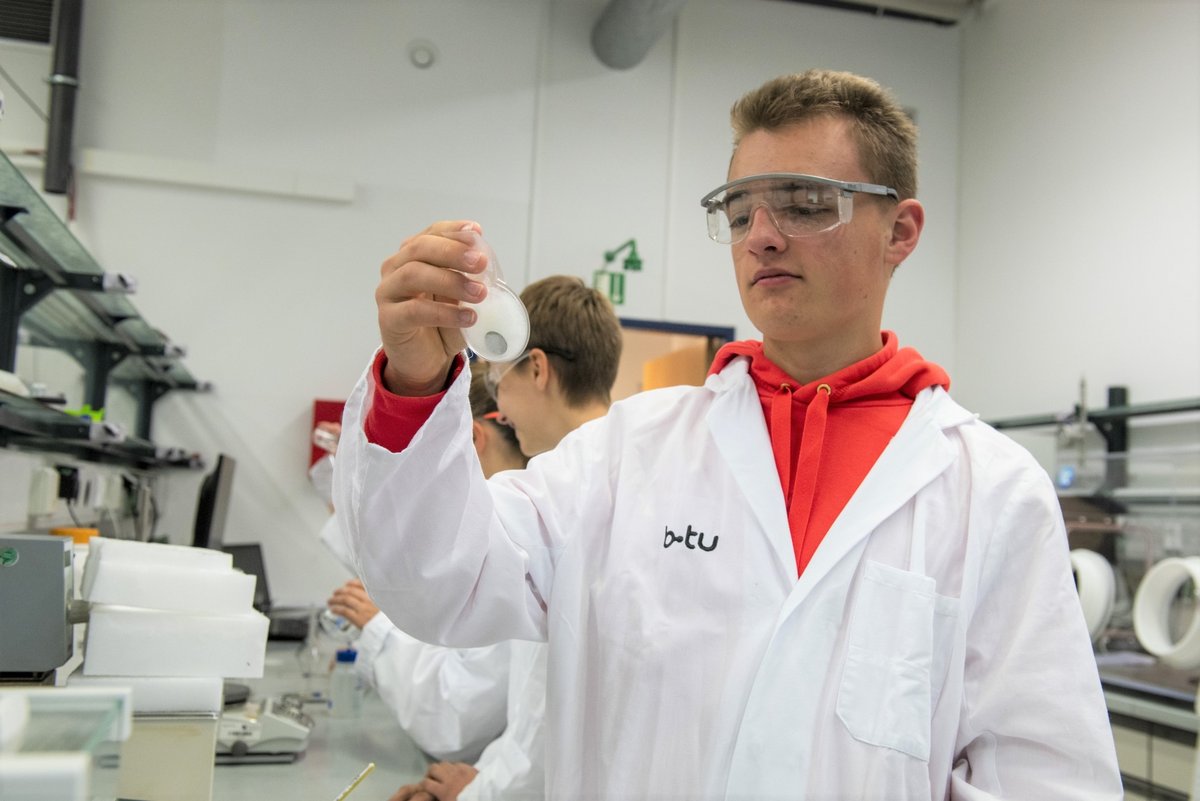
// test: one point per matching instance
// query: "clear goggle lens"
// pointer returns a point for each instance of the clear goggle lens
(497, 370)
(796, 207)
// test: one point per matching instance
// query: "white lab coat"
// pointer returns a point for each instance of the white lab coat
(452, 702)
(482, 705)
(513, 766)
(933, 648)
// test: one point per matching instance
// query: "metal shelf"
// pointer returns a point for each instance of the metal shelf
(54, 294)
(29, 424)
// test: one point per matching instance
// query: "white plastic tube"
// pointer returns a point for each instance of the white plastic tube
(1097, 586)
(1152, 609)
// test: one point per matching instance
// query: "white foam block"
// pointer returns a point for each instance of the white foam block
(162, 694)
(160, 576)
(102, 549)
(94, 706)
(126, 641)
(53, 776)
(14, 715)
(170, 587)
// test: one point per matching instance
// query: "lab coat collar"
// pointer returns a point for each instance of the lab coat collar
(737, 425)
(917, 455)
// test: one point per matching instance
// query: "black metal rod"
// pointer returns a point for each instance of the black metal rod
(1110, 413)
(1115, 431)
(10, 316)
(1032, 421)
(64, 86)
(1144, 409)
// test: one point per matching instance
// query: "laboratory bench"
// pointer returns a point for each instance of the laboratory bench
(1152, 709)
(338, 748)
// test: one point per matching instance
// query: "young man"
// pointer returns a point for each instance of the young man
(814, 577)
(563, 380)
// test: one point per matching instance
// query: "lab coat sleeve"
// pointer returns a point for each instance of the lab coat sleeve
(450, 557)
(512, 768)
(332, 538)
(451, 702)
(1034, 722)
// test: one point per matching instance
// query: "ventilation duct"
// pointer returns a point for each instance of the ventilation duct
(627, 29)
(939, 12)
(26, 20)
(64, 84)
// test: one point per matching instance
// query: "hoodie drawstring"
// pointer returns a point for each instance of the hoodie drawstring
(781, 438)
(799, 476)
(804, 484)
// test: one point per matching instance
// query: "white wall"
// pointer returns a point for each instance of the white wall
(721, 55)
(629, 154)
(1079, 248)
(1060, 166)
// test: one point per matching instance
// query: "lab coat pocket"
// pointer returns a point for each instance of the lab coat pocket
(885, 693)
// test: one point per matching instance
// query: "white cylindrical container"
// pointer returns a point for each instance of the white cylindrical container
(1152, 611)
(345, 694)
(1097, 587)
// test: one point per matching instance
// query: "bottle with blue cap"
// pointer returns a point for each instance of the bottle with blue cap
(345, 692)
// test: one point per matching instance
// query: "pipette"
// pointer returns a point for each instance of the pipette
(365, 772)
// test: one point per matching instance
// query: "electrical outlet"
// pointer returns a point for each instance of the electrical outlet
(43, 491)
(68, 482)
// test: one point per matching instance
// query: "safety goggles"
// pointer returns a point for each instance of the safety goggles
(497, 370)
(798, 205)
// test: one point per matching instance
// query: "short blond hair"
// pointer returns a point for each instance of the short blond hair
(885, 133)
(566, 316)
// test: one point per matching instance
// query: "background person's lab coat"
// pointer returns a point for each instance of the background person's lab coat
(513, 766)
(482, 705)
(452, 702)
(934, 647)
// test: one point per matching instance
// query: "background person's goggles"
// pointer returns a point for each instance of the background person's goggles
(798, 205)
(497, 370)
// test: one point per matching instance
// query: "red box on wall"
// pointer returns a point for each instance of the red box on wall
(324, 411)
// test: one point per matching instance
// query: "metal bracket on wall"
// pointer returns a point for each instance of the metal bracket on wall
(20, 290)
(1112, 423)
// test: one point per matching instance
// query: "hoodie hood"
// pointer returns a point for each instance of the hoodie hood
(890, 372)
(827, 434)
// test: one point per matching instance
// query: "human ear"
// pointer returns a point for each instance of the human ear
(478, 436)
(541, 368)
(907, 222)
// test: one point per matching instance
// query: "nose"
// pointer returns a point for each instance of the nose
(764, 234)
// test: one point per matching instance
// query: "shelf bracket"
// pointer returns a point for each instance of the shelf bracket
(20, 290)
(149, 393)
(105, 356)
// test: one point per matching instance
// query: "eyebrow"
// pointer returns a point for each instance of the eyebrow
(732, 196)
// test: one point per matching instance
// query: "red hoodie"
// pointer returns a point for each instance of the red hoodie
(827, 435)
